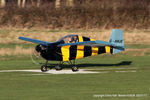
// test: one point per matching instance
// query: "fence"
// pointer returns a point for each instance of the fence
(37, 3)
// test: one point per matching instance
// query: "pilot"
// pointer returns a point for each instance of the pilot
(70, 39)
(75, 39)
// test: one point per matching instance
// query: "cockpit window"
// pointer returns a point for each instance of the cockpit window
(69, 39)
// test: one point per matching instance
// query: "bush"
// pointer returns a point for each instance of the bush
(100, 14)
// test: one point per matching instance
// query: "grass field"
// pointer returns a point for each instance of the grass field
(128, 73)
(23, 85)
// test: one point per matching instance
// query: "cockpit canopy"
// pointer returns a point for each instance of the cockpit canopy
(69, 39)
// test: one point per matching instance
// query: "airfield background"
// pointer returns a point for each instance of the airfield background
(75, 14)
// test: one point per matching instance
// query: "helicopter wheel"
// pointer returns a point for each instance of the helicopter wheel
(58, 67)
(44, 68)
(74, 68)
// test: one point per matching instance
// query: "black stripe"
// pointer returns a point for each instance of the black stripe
(73, 52)
(86, 39)
(59, 54)
(87, 51)
(101, 50)
(111, 50)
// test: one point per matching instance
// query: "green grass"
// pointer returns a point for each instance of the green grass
(100, 61)
(16, 86)
(24, 86)
(13, 45)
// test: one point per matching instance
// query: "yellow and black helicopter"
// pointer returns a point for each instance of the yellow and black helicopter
(72, 47)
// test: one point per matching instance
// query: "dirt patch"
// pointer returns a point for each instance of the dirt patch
(136, 36)
(137, 52)
(17, 51)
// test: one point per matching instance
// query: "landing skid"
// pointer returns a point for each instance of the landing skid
(44, 67)
(73, 66)
(58, 67)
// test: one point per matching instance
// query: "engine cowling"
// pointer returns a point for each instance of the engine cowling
(40, 48)
(47, 52)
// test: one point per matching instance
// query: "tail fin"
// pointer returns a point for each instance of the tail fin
(117, 40)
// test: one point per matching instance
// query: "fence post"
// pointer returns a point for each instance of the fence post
(57, 4)
(19, 3)
(69, 2)
(38, 3)
(23, 3)
(3, 3)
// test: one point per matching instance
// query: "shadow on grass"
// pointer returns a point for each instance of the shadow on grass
(123, 63)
